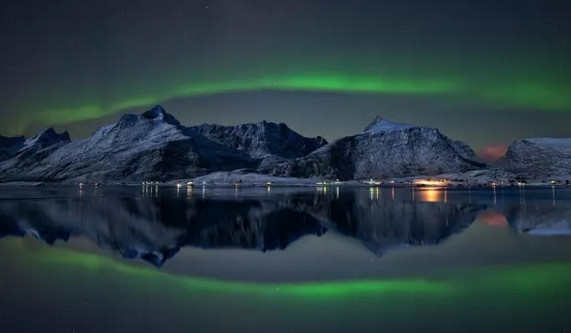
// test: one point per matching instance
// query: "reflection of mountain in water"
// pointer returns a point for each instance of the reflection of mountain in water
(384, 224)
(154, 229)
(535, 219)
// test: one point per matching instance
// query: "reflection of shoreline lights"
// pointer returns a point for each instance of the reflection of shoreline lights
(321, 189)
(431, 195)
(374, 193)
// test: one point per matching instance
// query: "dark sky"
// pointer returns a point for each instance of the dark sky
(483, 71)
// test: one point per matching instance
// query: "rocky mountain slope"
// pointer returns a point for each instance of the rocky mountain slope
(384, 149)
(153, 145)
(261, 140)
(539, 158)
(23, 154)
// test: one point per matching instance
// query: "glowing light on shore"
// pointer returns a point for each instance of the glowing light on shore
(430, 182)
(373, 182)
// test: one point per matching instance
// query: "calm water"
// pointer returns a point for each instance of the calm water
(128, 259)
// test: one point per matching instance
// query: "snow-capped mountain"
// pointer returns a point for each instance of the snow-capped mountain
(25, 154)
(539, 158)
(152, 145)
(14, 146)
(384, 149)
(261, 140)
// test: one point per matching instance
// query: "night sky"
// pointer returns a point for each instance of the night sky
(485, 72)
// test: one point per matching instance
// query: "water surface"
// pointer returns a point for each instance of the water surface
(126, 259)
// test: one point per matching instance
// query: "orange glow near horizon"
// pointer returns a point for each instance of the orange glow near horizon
(493, 152)
(493, 219)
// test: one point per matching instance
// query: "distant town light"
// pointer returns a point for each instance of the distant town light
(373, 182)
(430, 182)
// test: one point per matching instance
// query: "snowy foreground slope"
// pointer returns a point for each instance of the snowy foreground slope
(155, 146)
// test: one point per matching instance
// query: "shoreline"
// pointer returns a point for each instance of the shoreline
(346, 184)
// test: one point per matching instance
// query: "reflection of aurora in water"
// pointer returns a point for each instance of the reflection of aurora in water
(481, 278)
(524, 278)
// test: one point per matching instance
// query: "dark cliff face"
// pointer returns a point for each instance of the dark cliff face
(261, 140)
(539, 158)
(383, 150)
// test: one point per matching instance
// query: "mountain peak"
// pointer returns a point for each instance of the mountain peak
(49, 135)
(159, 113)
(379, 124)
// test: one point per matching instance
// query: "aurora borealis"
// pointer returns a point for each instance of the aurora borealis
(115, 293)
(223, 61)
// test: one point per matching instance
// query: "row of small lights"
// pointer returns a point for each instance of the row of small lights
(372, 182)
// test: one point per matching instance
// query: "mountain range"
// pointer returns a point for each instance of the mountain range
(154, 145)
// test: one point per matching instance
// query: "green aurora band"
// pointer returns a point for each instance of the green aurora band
(525, 279)
(515, 93)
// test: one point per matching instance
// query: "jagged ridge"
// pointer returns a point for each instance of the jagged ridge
(384, 149)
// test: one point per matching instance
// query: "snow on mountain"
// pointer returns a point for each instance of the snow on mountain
(261, 140)
(380, 124)
(384, 149)
(155, 146)
(26, 153)
(137, 147)
(539, 158)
